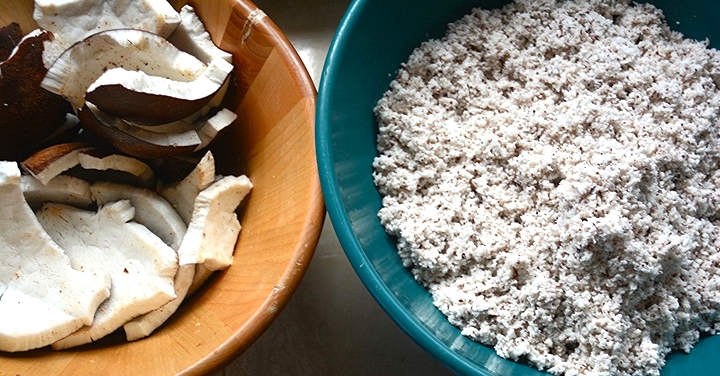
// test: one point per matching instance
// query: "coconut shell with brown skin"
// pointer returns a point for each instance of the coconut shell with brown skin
(10, 36)
(29, 114)
(125, 142)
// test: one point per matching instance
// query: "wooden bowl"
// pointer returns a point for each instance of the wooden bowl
(272, 142)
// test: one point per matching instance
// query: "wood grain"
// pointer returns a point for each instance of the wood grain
(273, 143)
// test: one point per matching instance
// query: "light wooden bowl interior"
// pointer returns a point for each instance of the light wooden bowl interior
(273, 143)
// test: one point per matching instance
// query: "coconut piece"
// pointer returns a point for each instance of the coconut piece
(206, 130)
(214, 226)
(155, 213)
(145, 143)
(10, 35)
(43, 299)
(214, 125)
(152, 100)
(192, 120)
(135, 141)
(202, 274)
(141, 266)
(205, 126)
(74, 20)
(102, 159)
(182, 194)
(54, 160)
(80, 65)
(192, 37)
(22, 125)
(144, 325)
(62, 189)
(176, 127)
(151, 210)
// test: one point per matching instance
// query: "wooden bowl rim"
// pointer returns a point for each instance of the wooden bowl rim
(262, 318)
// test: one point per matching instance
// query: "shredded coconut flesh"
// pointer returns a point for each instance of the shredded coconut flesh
(550, 171)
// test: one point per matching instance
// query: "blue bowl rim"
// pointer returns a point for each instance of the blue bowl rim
(341, 221)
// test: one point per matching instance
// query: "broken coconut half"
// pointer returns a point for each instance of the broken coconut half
(42, 298)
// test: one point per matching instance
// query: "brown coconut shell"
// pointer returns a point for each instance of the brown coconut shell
(29, 114)
(127, 143)
(10, 36)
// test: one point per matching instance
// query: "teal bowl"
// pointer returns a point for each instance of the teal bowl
(373, 39)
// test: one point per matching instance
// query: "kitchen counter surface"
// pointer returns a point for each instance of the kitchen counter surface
(331, 325)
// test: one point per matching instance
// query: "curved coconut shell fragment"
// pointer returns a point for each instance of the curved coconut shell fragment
(22, 125)
(113, 130)
(54, 160)
(143, 143)
(152, 100)
(80, 65)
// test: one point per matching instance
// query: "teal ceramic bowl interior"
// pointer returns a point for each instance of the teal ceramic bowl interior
(373, 39)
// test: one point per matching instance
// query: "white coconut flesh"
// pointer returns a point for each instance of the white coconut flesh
(151, 209)
(182, 194)
(144, 325)
(141, 266)
(42, 298)
(73, 20)
(192, 37)
(80, 65)
(214, 226)
(158, 215)
(62, 189)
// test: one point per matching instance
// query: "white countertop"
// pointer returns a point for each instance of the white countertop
(332, 325)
